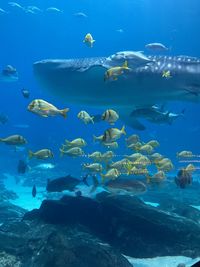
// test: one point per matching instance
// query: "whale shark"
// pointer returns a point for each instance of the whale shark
(81, 81)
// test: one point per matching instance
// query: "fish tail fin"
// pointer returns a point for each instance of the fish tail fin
(1, 139)
(84, 180)
(94, 138)
(63, 112)
(30, 154)
(95, 184)
(129, 168)
(84, 165)
(92, 119)
(61, 152)
(107, 166)
(102, 177)
(123, 130)
(125, 65)
(92, 42)
(67, 142)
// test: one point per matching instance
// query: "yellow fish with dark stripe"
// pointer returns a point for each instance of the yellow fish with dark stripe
(114, 72)
(110, 116)
(113, 134)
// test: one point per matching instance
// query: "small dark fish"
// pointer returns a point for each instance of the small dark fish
(64, 183)
(9, 74)
(3, 118)
(25, 93)
(34, 191)
(181, 265)
(22, 167)
(183, 178)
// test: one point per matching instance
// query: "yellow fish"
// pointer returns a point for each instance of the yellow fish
(72, 152)
(94, 167)
(113, 134)
(190, 168)
(156, 178)
(79, 142)
(95, 156)
(110, 116)
(133, 139)
(111, 145)
(184, 154)
(111, 174)
(114, 72)
(45, 109)
(15, 140)
(153, 143)
(107, 156)
(89, 40)
(41, 154)
(85, 117)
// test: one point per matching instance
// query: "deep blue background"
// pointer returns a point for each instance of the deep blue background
(26, 38)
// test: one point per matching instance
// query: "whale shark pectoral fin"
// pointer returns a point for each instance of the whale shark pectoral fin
(133, 123)
(192, 91)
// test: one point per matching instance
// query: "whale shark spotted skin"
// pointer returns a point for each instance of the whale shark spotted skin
(81, 81)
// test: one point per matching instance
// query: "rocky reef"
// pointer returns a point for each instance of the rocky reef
(127, 224)
(84, 232)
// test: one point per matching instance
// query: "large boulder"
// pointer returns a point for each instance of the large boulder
(36, 244)
(181, 209)
(126, 223)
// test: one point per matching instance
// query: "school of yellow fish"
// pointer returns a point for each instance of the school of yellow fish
(139, 162)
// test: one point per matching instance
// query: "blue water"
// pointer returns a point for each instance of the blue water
(26, 38)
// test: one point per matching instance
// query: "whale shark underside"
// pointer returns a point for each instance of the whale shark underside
(81, 82)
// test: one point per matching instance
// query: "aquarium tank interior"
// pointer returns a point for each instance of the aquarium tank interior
(99, 133)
